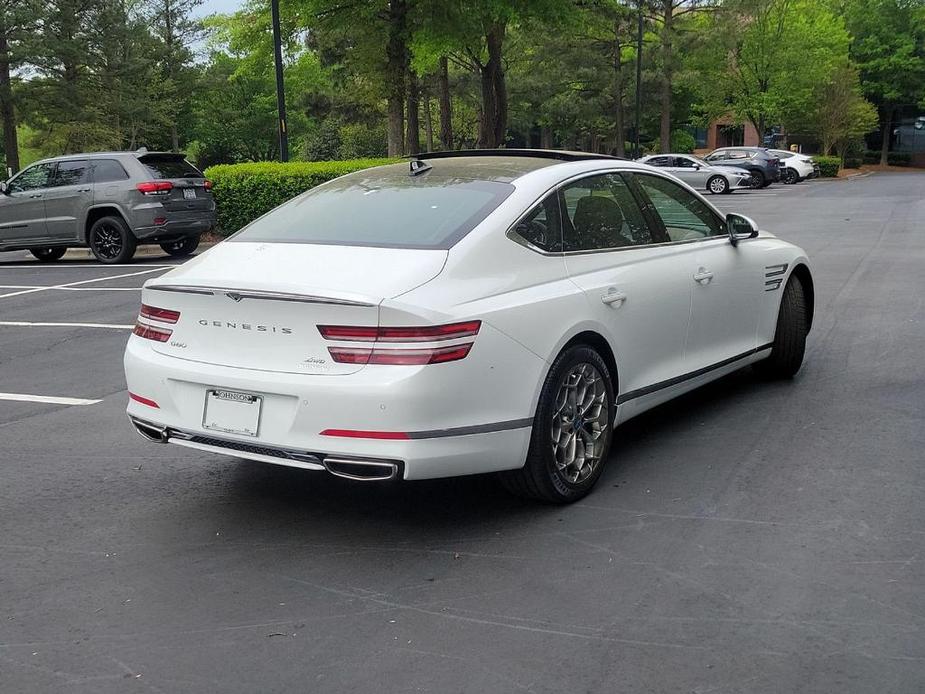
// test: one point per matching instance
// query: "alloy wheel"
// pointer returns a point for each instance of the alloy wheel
(579, 422)
(718, 185)
(107, 241)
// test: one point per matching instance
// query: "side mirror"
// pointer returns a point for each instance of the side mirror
(739, 227)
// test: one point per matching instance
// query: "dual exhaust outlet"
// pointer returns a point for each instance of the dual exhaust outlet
(358, 469)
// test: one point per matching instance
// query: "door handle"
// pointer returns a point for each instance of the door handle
(703, 276)
(83, 190)
(614, 298)
(36, 195)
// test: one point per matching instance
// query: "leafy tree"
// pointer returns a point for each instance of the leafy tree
(888, 45)
(17, 24)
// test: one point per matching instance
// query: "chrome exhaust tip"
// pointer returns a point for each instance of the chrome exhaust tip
(362, 470)
(148, 431)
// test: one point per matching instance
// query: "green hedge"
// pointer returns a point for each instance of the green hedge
(828, 166)
(243, 192)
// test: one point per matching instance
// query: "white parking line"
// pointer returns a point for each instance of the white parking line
(21, 397)
(70, 289)
(43, 266)
(32, 324)
(74, 284)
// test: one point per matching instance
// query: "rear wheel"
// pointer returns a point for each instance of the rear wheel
(181, 248)
(718, 185)
(572, 430)
(790, 176)
(789, 344)
(48, 255)
(111, 241)
(757, 180)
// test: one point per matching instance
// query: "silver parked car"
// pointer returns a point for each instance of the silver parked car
(107, 201)
(700, 174)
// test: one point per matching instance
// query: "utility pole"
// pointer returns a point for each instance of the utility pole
(280, 88)
(638, 152)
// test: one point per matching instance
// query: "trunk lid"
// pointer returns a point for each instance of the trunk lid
(259, 305)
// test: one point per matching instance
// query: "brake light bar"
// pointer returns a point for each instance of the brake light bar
(149, 332)
(427, 333)
(155, 187)
(404, 357)
(164, 315)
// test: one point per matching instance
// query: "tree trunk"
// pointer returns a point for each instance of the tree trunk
(413, 137)
(620, 129)
(493, 121)
(428, 123)
(169, 41)
(446, 108)
(545, 137)
(665, 130)
(7, 110)
(887, 128)
(397, 59)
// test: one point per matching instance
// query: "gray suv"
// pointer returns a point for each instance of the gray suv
(109, 201)
(763, 165)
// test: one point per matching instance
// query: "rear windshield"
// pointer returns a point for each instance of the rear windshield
(161, 166)
(385, 209)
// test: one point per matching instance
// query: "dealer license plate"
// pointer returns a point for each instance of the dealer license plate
(232, 412)
(189, 193)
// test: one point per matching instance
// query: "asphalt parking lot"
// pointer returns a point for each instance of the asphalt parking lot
(751, 537)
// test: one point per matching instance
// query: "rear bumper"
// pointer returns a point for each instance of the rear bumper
(175, 228)
(459, 418)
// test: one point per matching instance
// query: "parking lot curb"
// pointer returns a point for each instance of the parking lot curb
(147, 251)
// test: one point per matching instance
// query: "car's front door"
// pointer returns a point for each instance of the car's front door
(22, 205)
(639, 292)
(727, 281)
(690, 172)
(67, 199)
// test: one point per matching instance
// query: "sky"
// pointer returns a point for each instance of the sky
(217, 6)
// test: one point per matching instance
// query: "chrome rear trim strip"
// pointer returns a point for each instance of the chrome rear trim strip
(238, 295)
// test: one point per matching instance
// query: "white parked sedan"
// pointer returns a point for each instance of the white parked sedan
(495, 311)
(700, 174)
(795, 167)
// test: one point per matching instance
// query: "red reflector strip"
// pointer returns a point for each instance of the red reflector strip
(353, 434)
(160, 314)
(405, 357)
(143, 400)
(151, 333)
(427, 333)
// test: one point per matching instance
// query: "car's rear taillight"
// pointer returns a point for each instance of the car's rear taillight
(207, 184)
(149, 332)
(376, 354)
(164, 315)
(426, 333)
(155, 187)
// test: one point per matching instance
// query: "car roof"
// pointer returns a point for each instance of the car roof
(107, 155)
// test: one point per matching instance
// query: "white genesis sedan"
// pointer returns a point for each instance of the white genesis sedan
(467, 312)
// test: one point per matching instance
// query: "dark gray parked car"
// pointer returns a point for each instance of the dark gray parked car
(108, 201)
(758, 161)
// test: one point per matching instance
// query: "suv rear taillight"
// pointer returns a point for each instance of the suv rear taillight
(207, 184)
(155, 187)
(374, 354)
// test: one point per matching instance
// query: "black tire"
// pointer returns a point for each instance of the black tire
(111, 241)
(540, 477)
(181, 248)
(790, 176)
(758, 180)
(718, 185)
(789, 344)
(48, 255)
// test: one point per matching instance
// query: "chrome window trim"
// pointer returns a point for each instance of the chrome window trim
(521, 241)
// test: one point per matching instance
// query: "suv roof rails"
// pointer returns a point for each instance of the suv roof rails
(558, 154)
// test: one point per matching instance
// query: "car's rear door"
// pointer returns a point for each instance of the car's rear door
(726, 281)
(639, 292)
(22, 207)
(67, 199)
